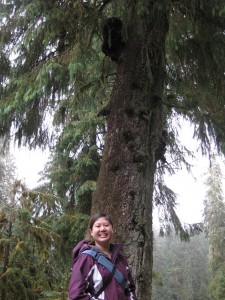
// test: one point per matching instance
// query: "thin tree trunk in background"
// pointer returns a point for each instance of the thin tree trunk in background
(126, 179)
(6, 262)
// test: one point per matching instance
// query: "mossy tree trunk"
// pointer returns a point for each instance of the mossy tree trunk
(135, 125)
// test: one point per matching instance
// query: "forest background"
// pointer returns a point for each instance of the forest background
(103, 84)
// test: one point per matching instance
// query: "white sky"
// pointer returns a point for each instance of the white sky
(29, 164)
(190, 190)
(190, 187)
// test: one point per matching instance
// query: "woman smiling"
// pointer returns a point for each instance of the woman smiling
(100, 271)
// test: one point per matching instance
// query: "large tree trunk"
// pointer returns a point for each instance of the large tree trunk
(126, 179)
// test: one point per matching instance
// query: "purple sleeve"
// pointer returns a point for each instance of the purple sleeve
(78, 280)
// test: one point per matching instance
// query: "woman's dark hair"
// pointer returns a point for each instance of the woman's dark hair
(95, 217)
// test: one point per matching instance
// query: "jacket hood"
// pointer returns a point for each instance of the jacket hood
(81, 246)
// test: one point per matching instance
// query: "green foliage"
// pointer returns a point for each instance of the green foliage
(36, 242)
(26, 254)
(195, 45)
(30, 249)
(217, 284)
(48, 55)
(181, 268)
(74, 68)
(84, 195)
(71, 228)
(214, 214)
(76, 162)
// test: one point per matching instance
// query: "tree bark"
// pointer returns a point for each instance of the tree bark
(126, 180)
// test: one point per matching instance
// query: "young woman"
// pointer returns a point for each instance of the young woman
(107, 278)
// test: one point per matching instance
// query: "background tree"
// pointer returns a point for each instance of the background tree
(32, 264)
(168, 60)
(6, 182)
(181, 269)
(214, 214)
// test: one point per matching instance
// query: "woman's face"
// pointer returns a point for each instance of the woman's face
(102, 231)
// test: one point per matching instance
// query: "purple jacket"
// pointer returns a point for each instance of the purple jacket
(87, 276)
